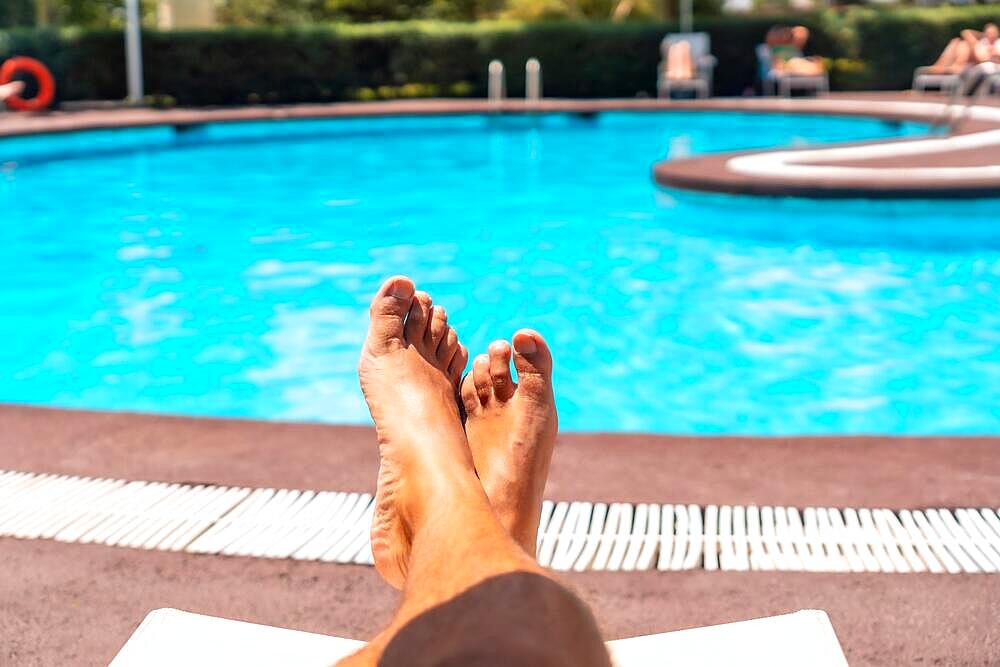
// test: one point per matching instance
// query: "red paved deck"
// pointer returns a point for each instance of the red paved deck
(76, 604)
(837, 471)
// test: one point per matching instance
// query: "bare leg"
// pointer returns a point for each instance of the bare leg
(679, 61)
(805, 66)
(947, 56)
(954, 58)
(963, 58)
(471, 595)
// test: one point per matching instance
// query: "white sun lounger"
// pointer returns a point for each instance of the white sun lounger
(168, 637)
(925, 78)
(991, 86)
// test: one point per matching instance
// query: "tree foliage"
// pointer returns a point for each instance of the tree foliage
(248, 13)
(269, 12)
(82, 13)
(100, 13)
(17, 13)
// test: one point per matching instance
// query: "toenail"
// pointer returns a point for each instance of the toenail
(525, 345)
(401, 290)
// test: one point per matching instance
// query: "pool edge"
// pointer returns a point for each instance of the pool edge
(714, 173)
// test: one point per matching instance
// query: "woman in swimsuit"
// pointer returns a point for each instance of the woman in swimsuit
(985, 45)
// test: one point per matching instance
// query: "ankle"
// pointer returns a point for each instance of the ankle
(442, 487)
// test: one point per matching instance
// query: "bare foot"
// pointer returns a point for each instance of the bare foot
(410, 367)
(512, 430)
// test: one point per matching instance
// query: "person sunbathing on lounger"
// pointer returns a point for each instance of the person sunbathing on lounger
(955, 58)
(984, 46)
(970, 48)
(786, 46)
(457, 509)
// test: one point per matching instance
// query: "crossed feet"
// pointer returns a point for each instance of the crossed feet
(411, 375)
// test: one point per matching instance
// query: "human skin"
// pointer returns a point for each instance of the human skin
(472, 595)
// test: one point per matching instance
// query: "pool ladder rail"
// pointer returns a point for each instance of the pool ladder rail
(496, 89)
(984, 75)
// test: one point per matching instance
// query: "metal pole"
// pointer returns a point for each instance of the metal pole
(133, 51)
(687, 15)
(533, 80)
(497, 83)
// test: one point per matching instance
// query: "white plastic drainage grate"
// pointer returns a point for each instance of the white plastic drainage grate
(333, 527)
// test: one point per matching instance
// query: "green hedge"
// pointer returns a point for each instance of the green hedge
(596, 59)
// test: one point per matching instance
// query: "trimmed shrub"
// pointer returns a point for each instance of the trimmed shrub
(16, 13)
(232, 66)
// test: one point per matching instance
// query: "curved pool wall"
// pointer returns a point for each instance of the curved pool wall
(224, 269)
(701, 131)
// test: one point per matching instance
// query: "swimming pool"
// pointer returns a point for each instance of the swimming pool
(225, 270)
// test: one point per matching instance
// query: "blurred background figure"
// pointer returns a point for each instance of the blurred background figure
(787, 44)
(11, 89)
(984, 46)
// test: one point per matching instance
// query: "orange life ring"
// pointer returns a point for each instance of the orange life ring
(46, 84)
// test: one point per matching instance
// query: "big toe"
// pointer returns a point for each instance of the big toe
(418, 318)
(388, 313)
(533, 361)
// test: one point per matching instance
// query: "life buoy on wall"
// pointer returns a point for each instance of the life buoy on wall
(46, 84)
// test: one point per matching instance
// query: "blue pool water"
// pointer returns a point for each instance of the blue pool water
(225, 269)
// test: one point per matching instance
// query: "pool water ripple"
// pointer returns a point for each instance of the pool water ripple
(225, 271)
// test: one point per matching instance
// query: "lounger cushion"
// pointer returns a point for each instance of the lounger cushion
(168, 637)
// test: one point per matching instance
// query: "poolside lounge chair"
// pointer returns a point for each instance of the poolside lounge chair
(980, 80)
(925, 78)
(172, 637)
(702, 61)
(775, 82)
(991, 86)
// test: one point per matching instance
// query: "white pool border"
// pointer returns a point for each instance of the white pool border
(799, 164)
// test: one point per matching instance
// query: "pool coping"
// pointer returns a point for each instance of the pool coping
(52, 122)
(961, 164)
(970, 170)
(837, 470)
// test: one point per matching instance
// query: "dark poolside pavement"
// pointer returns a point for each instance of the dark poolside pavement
(77, 604)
